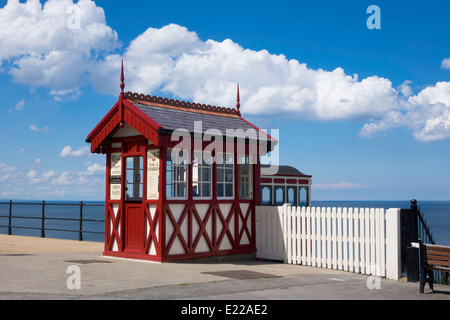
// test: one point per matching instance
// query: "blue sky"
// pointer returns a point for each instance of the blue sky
(365, 111)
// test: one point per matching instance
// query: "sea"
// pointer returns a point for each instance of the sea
(437, 214)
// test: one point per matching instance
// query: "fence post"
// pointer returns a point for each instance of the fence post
(80, 233)
(393, 252)
(10, 217)
(411, 254)
(43, 220)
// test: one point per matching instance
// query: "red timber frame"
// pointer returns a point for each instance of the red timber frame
(221, 224)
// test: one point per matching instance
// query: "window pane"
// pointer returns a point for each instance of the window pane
(228, 160)
(201, 178)
(229, 175)
(291, 192)
(134, 178)
(206, 174)
(225, 176)
(245, 176)
(228, 190)
(303, 197)
(266, 195)
(279, 195)
(220, 190)
(176, 175)
(170, 190)
(206, 189)
(220, 175)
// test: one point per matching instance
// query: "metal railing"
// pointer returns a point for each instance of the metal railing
(41, 212)
(424, 232)
(426, 236)
(414, 226)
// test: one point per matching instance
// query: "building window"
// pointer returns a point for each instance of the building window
(176, 175)
(279, 195)
(133, 178)
(303, 200)
(266, 195)
(201, 178)
(225, 176)
(292, 195)
(245, 178)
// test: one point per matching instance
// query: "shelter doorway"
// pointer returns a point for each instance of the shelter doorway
(135, 227)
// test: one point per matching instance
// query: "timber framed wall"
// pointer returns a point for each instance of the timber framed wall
(174, 229)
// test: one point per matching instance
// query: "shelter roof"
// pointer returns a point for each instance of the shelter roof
(155, 117)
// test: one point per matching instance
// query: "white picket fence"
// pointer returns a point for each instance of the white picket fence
(358, 240)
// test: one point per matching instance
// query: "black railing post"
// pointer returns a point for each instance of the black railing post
(43, 220)
(412, 262)
(80, 234)
(415, 218)
(10, 217)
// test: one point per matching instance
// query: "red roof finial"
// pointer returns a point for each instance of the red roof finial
(122, 83)
(238, 105)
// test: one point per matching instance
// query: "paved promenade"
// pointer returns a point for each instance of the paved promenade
(35, 268)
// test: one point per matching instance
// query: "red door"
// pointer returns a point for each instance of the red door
(134, 228)
(135, 225)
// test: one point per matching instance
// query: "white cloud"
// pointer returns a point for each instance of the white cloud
(64, 179)
(173, 59)
(19, 106)
(32, 174)
(20, 151)
(43, 51)
(446, 64)
(47, 175)
(33, 127)
(68, 152)
(427, 114)
(5, 177)
(95, 168)
(339, 186)
(405, 89)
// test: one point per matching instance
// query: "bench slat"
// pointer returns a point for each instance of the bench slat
(439, 253)
(438, 262)
(437, 257)
(436, 268)
(436, 247)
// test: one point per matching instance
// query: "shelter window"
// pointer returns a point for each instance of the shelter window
(225, 176)
(134, 178)
(176, 174)
(201, 178)
(245, 178)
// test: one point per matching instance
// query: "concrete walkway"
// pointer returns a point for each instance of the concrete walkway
(37, 268)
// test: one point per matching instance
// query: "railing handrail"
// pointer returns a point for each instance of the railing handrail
(43, 218)
(423, 226)
(57, 203)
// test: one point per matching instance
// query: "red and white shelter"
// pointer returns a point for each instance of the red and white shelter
(182, 178)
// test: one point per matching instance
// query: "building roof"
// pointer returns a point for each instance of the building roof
(284, 171)
(174, 114)
(157, 117)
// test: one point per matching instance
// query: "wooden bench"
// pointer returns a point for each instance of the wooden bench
(432, 258)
